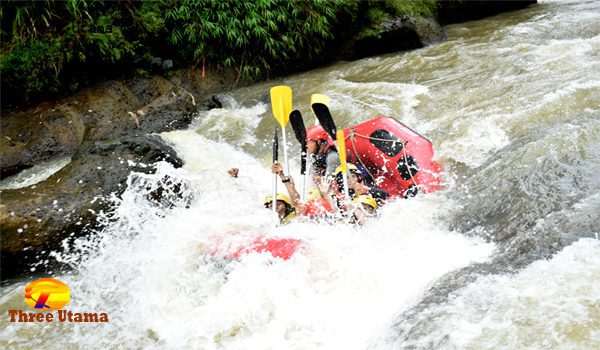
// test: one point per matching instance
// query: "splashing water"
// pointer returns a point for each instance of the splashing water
(511, 105)
(549, 305)
(35, 174)
(153, 273)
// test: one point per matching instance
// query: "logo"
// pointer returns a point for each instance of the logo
(47, 294)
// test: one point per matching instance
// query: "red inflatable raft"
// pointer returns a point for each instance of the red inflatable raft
(399, 159)
(282, 248)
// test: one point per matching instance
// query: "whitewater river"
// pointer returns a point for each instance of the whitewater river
(507, 257)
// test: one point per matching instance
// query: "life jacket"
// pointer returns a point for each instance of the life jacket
(317, 207)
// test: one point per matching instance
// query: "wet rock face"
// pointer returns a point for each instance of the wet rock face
(452, 11)
(395, 34)
(105, 131)
(400, 33)
(28, 138)
(35, 220)
(113, 109)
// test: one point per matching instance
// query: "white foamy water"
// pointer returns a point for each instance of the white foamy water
(551, 304)
(357, 101)
(154, 274)
(527, 78)
(232, 123)
(35, 174)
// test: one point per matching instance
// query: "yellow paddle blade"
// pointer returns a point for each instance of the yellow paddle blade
(319, 98)
(281, 103)
(341, 145)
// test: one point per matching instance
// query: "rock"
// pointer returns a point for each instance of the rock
(135, 107)
(101, 129)
(452, 11)
(429, 30)
(30, 137)
(147, 149)
(394, 34)
(107, 112)
(170, 193)
(212, 103)
(156, 61)
(167, 64)
(35, 220)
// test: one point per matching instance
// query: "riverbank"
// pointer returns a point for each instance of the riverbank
(104, 130)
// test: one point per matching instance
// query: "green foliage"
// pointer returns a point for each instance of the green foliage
(32, 70)
(98, 41)
(49, 47)
(425, 8)
(49, 59)
(149, 19)
(22, 21)
(252, 36)
(374, 16)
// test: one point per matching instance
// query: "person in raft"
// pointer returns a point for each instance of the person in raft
(326, 163)
(318, 207)
(321, 149)
(285, 210)
(364, 207)
(363, 204)
(357, 186)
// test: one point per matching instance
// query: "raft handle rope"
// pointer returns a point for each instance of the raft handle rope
(353, 133)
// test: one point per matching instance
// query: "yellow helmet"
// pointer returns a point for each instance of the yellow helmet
(280, 197)
(351, 167)
(365, 199)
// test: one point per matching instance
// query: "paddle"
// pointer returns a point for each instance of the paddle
(281, 105)
(341, 141)
(326, 120)
(300, 132)
(275, 158)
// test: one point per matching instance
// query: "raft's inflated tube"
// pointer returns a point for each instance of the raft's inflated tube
(399, 159)
(282, 248)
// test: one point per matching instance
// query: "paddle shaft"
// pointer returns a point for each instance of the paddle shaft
(274, 201)
(285, 156)
(275, 157)
(305, 176)
(341, 143)
(346, 191)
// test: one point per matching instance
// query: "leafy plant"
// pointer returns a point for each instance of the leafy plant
(255, 36)
(32, 70)
(51, 47)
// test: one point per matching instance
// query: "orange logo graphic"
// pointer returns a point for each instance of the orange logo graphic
(47, 294)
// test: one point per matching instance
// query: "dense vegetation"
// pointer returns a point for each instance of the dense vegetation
(54, 47)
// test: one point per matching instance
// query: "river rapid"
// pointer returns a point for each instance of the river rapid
(506, 257)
